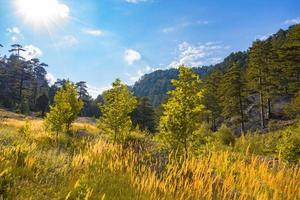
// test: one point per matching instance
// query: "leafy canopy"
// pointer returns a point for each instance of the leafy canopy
(183, 110)
(65, 109)
(119, 102)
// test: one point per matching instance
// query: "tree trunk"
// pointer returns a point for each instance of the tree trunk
(269, 109)
(242, 114)
(21, 88)
(262, 111)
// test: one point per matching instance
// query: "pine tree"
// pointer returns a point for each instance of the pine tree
(42, 103)
(232, 90)
(144, 115)
(119, 102)
(211, 98)
(182, 111)
(290, 58)
(257, 72)
(65, 110)
(85, 97)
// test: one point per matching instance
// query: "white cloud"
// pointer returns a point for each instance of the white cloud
(95, 91)
(202, 22)
(262, 37)
(199, 54)
(15, 33)
(136, 76)
(168, 29)
(292, 21)
(50, 78)
(67, 41)
(14, 30)
(93, 32)
(31, 52)
(182, 25)
(131, 56)
(135, 1)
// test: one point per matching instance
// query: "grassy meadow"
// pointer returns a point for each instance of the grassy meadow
(34, 164)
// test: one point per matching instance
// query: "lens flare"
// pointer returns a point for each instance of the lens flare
(42, 12)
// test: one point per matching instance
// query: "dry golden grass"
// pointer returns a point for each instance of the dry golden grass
(36, 168)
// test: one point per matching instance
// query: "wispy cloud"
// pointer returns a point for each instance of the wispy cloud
(31, 52)
(15, 34)
(262, 37)
(202, 22)
(136, 1)
(93, 32)
(292, 21)
(131, 56)
(94, 91)
(198, 54)
(139, 73)
(183, 25)
(67, 41)
(168, 29)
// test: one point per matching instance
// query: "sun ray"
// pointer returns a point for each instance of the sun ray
(42, 13)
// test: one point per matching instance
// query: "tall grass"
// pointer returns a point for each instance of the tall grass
(85, 166)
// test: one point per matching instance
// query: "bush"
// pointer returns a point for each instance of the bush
(293, 109)
(289, 145)
(225, 136)
(6, 182)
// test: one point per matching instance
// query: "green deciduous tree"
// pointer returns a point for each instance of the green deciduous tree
(119, 102)
(182, 111)
(65, 109)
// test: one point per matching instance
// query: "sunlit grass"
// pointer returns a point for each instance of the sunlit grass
(84, 166)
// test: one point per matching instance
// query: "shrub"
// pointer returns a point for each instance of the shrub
(6, 182)
(293, 109)
(225, 136)
(289, 145)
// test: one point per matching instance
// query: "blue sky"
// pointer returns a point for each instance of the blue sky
(101, 40)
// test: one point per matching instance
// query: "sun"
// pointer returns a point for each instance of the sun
(42, 12)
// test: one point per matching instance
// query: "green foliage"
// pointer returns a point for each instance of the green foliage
(289, 145)
(182, 111)
(232, 95)
(6, 183)
(21, 81)
(225, 136)
(143, 115)
(293, 109)
(211, 98)
(119, 102)
(289, 55)
(201, 137)
(42, 103)
(65, 109)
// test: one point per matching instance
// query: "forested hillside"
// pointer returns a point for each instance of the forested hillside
(243, 89)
